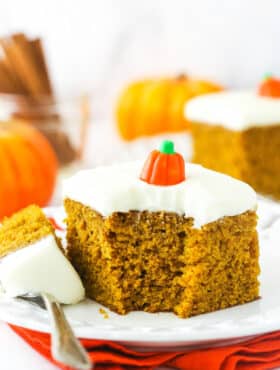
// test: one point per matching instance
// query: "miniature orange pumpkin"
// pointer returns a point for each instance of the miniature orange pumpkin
(151, 107)
(28, 167)
(164, 167)
(270, 87)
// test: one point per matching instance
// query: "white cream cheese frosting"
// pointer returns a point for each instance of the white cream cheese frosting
(205, 195)
(41, 267)
(235, 110)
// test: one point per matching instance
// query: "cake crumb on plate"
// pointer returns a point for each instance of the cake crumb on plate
(104, 313)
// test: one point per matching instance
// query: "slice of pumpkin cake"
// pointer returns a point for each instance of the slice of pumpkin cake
(237, 132)
(169, 236)
(32, 259)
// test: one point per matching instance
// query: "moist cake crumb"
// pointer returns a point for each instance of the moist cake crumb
(158, 261)
(104, 313)
(24, 228)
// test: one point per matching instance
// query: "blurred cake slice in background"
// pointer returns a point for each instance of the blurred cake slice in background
(238, 133)
(32, 259)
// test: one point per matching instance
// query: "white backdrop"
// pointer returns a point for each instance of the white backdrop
(92, 42)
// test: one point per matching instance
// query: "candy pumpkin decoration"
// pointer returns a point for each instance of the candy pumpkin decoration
(164, 167)
(270, 87)
(28, 167)
(151, 107)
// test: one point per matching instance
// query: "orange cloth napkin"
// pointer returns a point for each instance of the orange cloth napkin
(259, 353)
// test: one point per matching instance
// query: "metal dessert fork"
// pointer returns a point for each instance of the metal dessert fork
(65, 346)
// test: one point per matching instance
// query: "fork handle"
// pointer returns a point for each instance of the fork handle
(65, 347)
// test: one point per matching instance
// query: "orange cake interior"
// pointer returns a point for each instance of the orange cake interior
(249, 155)
(23, 228)
(157, 261)
(238, 133)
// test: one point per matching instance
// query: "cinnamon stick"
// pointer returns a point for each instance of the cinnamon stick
(9, 63)
(7, 84)
(38, 53)
(24, 72)
(25, 67)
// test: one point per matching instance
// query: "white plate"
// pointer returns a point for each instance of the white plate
(165, 329)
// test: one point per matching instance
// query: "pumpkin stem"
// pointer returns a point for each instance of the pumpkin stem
(167, 147)
(181, 77)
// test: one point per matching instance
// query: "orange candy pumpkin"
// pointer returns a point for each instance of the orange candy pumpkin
(164, 167)
(28, 167)
(270, 87)
(151, 107)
